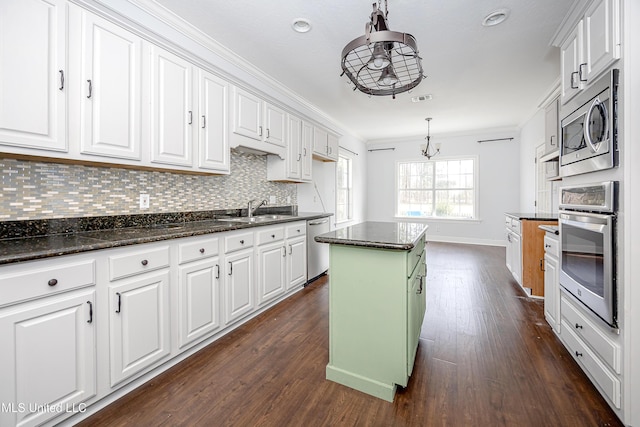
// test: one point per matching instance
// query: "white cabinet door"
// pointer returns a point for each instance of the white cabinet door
(271, 271)
(516, 259)
(332, 146)
(307, 147)
(139, 324)
(48, 357)
(551, 292)
(172, 120)
(601, 37)
(213, 141)
(294, 149)
(570, 60)
(320, 146)
(247, 114)
(275, 125)
(239, 281)
(296, 262)
(110, 80)
(551, 127)
(33, 74)
(198, 300)
(509, 251)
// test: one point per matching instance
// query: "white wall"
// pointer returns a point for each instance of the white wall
(311, 197)
(499, 183)
(531, 136)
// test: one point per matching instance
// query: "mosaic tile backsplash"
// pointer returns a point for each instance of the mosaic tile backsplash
(39, 190)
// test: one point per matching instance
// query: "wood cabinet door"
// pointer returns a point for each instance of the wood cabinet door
(172, 117)
(296, 261)
(271, 271)
(307, 147)
(33, 74)
(238, 289)
(48, 356)
(139, 324)
(570, 60)
(213, 140)
(247, 114)
(294, 148)
(275, 125)
(111, 89)
(601, 37)
(198, 300)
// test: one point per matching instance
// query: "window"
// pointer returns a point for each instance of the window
(437, 188)
(344, 189)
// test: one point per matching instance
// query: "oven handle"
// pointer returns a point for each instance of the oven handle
(595, 146)
(587, 221)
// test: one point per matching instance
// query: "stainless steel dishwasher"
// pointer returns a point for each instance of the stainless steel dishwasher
(317, 253)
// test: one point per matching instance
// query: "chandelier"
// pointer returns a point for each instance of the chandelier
(382, 62)
(427, 149)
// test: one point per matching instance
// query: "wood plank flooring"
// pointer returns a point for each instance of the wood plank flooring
(486, 357)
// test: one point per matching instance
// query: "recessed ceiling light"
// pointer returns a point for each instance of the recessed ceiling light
(301, 25)
(421, 98)
(496, 17)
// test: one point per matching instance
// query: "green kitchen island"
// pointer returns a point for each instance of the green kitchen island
(377, 303)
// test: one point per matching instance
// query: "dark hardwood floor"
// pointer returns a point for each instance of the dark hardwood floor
(486, 357)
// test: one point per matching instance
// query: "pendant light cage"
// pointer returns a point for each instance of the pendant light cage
(382, 62)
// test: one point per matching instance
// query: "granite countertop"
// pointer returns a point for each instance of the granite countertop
(550, 228)
(381, 235)
(533, 216)
(31, 240)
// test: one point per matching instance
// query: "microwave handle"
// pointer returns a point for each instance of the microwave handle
(587, 119)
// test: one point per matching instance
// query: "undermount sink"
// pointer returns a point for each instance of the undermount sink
(257, 218)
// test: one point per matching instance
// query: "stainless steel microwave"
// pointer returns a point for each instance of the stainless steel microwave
(589, 132)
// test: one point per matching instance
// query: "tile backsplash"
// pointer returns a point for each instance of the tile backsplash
(39, 190)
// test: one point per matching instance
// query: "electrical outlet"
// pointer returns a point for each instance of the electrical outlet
(272, 200)
(144, 201)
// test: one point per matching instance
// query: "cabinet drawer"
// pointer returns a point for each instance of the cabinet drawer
(602, 345)
(551, 246)
(43, 279)
(605, 379)
(297, 229)
(132, 263)
(269, 234)
(414, 256)
(507, 221)
(203, 248)
(515, 225)
(236, 242)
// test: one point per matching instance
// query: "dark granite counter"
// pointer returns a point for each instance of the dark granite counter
(533, 216)
(381, 235)
(30, 240)
(550, 228)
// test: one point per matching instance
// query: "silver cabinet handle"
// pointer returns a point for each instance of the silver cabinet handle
(551, 140)
(61, 79)
(267, 132)
(204, 122)
(230, 269)
(217, 271)
(284, 252)
(304, 151)
(290, 249)
(573, 79)
(190, 117)
(119, 301)
(299, 156)
(259, 130)
(90, 312)
(90, 88)
(580, 72)
(52, 282)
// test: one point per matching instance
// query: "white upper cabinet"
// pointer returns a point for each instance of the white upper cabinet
(592, 46)
(110, 79)
(325, 145)
(257, 124)
(307, 148)
(213, 145)
(33, 74)
(296, 166)
(171, 130)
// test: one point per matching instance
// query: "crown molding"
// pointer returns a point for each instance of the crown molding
(570, 20)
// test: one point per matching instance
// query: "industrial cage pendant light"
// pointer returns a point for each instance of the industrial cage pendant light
(427, 149)
(382, 62)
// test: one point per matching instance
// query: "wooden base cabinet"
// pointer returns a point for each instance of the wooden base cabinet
(48, 360)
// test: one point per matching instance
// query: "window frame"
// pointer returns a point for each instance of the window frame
(476, 189)
(350, 195)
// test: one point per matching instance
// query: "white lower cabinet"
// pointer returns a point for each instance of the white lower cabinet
(239, 276)
(296, 245)
(271, 271)
(48, 359)
(138, 324)
(551, 281)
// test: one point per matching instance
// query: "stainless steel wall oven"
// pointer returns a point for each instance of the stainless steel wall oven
(588, 251)
(589, 129)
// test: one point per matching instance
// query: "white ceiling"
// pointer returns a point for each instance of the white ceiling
(480, 77)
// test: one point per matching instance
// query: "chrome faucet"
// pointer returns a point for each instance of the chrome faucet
(251, 210)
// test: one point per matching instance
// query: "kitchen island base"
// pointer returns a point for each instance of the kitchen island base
(376, 307)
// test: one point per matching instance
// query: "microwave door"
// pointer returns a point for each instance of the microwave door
(596, 131)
